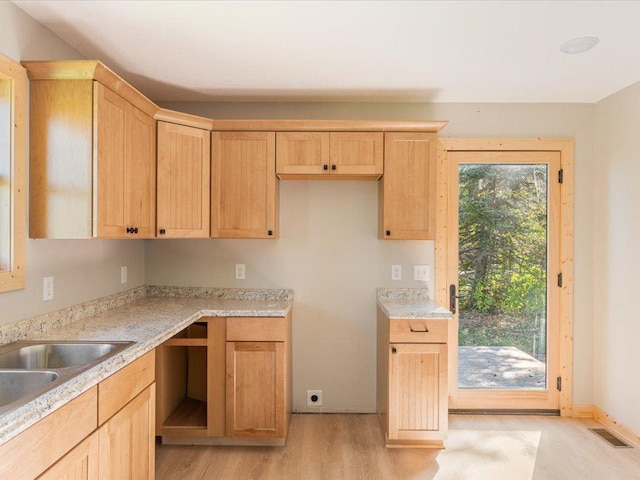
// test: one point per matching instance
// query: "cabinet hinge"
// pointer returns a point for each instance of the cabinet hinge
(559, 279)
(561, 175)
(559, 383)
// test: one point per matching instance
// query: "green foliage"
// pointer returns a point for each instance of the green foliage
(502, 249)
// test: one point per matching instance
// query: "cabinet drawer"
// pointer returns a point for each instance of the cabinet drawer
(418, 331)
(33, 451)
(256, 329)
(123, 386)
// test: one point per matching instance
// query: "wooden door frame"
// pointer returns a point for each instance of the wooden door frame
(443, 277)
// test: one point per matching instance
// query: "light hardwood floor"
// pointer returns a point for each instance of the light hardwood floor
(350, 447)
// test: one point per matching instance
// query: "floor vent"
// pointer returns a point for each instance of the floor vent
(610, 437)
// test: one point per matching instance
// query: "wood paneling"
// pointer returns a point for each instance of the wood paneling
(244, 196)
(256, 329)
(417, 397)
(127, 441)
(407, 190)
(256, 389)
(357, 153)
(33, 451)
(121, 387)
(184, 160)
(81, 463)
(302, 153)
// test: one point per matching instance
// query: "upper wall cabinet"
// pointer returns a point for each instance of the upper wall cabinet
(244, 190)
(407, 191)
(347, 155)
(93, 154)
(184, 160)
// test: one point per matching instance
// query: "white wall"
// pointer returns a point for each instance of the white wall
(330, 255)
(82, 270)
(616, 259)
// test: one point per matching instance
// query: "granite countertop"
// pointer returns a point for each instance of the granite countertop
(403, 303)
(147, 321)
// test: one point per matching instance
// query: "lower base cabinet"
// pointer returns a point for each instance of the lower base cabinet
(226, 381)
(106, 433)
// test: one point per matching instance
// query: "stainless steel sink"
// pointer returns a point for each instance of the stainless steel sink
(30, 369)
(55, 355)
(17, 384)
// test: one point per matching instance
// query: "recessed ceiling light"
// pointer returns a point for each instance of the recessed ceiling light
(579, 45)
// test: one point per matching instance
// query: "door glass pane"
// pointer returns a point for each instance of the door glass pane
(502, 276)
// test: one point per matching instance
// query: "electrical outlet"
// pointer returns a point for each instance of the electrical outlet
(240, 271)
(396, 272)
(421, 273)
(314, 398)
(47, 287)
(123, 274)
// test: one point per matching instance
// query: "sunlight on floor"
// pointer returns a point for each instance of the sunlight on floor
(488, 454)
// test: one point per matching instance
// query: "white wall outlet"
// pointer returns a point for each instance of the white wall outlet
(396, 272)
(314, 398)
(47, 289)
(240, 271)
(421, 273)
(123, 274)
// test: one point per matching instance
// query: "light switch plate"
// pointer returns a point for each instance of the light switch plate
(421, 273)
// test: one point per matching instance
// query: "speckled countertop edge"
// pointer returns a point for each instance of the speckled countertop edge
(407, 303)
(148, 321)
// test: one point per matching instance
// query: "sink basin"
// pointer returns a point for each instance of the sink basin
(15, 385)
(56, 355)
(30, 369)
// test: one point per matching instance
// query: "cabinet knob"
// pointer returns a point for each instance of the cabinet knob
(270, 233)
(388, 232)
(394, 350)
(325, 167)
(333, 167)
(162, 231)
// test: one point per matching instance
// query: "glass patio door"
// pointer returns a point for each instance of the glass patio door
(506, 235)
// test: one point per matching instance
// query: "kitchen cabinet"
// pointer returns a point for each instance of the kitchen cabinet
(334, 155)
(257, 377)
(244, 186)
(412, 381)
(81, 463)
(92, 162)
(407, 190)
(183, 198)
(237, 391)
(126, 415)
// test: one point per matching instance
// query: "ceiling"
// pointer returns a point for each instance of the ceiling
(396, 51)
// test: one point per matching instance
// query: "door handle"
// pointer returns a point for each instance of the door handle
(452, 298)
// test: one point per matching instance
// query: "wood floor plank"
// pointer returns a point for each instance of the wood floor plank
(350, 447)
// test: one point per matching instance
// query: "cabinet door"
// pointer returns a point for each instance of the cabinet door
(357, 153)
(184, 160)
(407, 193)
(417, 391)
(302, 153)
(256, 389)
(140, 173)
(81, 463)
(109, 157)
(243, 185)
(127, 441)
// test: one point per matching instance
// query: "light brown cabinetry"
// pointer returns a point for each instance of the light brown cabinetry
(407, 191)
(105, 433)
(244, 186)
(412, 381)
(184, 195)
(92, 163)
(226, 382)
(257, 378)
(81, 463)
(347, 155)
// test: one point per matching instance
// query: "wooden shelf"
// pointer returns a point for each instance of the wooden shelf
(190, 413)
(186, 342)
